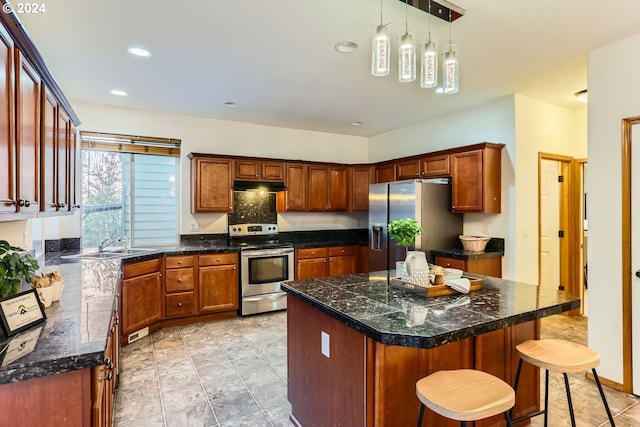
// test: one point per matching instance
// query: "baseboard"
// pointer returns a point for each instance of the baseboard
(604, 381)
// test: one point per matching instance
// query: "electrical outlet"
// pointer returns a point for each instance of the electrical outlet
(195, 226)
(325, 344)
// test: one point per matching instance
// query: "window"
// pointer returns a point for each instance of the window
(129, 189)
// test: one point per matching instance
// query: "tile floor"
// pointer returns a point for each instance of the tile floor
(233, 373)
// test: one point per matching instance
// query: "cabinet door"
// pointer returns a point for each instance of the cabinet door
(435, 166)
(272, 171)
(467, 182)
(311, 268)
(247, 169)
(338, 189)
(211, 185)
(361, 177)
(295, 198)
(48, 184)
(408, 169)
(218, 288)
(141, 302)
(386, 173)
(7, 126)
(318, 189)
(62, 162)
(27, 135)
(74, 197)
(341, 265)
(459, 264)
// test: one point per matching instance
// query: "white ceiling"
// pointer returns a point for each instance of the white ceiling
(276, 58)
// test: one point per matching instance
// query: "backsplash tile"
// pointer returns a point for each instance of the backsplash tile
(252, 207)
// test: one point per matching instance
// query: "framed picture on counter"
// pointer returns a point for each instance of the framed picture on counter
(20, 311)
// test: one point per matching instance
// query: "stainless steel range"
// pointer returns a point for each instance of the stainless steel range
(264, 263)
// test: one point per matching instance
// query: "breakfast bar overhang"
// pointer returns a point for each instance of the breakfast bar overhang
(357, 345)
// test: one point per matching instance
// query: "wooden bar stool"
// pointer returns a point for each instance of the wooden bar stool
(559, 356)
(465, 395)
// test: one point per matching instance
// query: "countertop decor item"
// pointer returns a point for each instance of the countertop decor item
(16, 265)
(474, 243)
(404, 231)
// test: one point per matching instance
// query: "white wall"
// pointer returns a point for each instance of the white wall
(546, 128)
(614, 94)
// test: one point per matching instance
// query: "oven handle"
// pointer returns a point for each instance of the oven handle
(263, 297)
(266, 252)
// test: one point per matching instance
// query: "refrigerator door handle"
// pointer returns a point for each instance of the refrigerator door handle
(377, 237)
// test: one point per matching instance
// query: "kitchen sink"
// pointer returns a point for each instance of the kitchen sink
(110, 253)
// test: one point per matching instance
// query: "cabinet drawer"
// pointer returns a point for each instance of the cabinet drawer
(180, 304)
(141, 268)
(179, 280)
(311, 253)
(218, 259)
(460, 264)
(343, 250)
(178, 261)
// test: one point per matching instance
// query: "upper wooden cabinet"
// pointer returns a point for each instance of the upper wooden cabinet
(48, 152)
(435, 166)
(7, 126)
(385, 172)
(256, 170)
(408, 169)
(360, 177)
(327, 188)
(211, 184)
(296, 180)
(476, 180)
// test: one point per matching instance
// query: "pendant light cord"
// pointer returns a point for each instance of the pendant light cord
(429, 20)
(380, 12)
(449, 29)
(406, 17)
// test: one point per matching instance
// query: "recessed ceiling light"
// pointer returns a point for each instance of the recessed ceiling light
(118, 92)
(356, 123)
(346, 47)
(230, 104)
(139, 51)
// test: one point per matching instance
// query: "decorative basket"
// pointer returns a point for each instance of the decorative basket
(474, 243)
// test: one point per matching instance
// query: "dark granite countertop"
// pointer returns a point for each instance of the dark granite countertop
(465, 255)
(367, 303)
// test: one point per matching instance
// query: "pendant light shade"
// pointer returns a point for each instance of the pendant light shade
(429, 64)
(407, 59)
(450, 71)
(380, 52)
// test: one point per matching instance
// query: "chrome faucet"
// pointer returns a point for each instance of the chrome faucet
(108, 242)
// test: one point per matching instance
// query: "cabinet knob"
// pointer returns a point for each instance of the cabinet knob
(179, 262)
(331, 260)
(235, 268)
(638, 273)
(448, 264)
(417, 174)
(113, 329)
(20, 202)
(217, 259)
(324, 260)
(160, 275)
(179, 280)
(109, 376)
(257, 175)
(313, 253)
(179, 304)
(27, 203)
(343, 251)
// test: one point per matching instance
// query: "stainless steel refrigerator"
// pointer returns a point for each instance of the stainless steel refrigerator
(426, 200)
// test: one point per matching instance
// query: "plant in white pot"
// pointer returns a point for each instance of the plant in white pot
(404, 231)
(15, 266)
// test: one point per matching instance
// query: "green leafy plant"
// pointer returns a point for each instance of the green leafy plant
(15, 265)
(404, 231)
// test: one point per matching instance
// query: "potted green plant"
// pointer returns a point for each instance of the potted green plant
(15, 266)
(404, 231)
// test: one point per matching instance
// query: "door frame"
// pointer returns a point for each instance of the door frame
(627, 306)
(570, 222)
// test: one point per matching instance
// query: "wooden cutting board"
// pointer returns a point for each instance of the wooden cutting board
(433, 291)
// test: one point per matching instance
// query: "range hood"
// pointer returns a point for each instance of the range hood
(267, 186)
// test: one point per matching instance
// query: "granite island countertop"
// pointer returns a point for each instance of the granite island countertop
(368, 304)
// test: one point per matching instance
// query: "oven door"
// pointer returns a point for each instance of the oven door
(262, 270)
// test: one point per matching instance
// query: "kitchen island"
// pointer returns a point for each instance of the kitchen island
(357, 346)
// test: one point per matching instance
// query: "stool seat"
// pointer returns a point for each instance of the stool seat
(558, 355)
(465, 394)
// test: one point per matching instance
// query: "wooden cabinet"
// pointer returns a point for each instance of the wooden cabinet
(256, 170)
(7, 126)
(104, 381)
(476, 180)
(27, 136)
(385, 172)
(327, 188)
(435, 166)
(360, 178)
(63, 162)
(218, 286)
(488, 266)
(48, 152)
(179, 286)
(408, 169)
(324, 262)
(294, 199)
(211, 185)
(73, 170)
(141, 295)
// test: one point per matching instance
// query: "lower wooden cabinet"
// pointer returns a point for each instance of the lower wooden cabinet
(141, 295)
(218, 282)
(104, 380)
(327, 261)
(179, 286)
(487, 266)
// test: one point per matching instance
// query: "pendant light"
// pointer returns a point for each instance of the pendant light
(380, 50)
(450, 79)
(429, 62)
(406, 53)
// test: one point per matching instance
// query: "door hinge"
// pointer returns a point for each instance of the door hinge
(561, 233)
(561, 287)
(560, 178)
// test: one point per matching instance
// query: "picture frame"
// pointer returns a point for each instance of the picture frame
(20, 311)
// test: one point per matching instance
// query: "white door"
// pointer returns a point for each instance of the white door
(635, 253)
(549, 224)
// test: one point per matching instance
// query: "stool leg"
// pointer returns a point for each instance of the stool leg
(566, 386)
(546, 397)
(421, 414)
(515, 384)
(604, 399)
(464, 423)
(507, 418)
